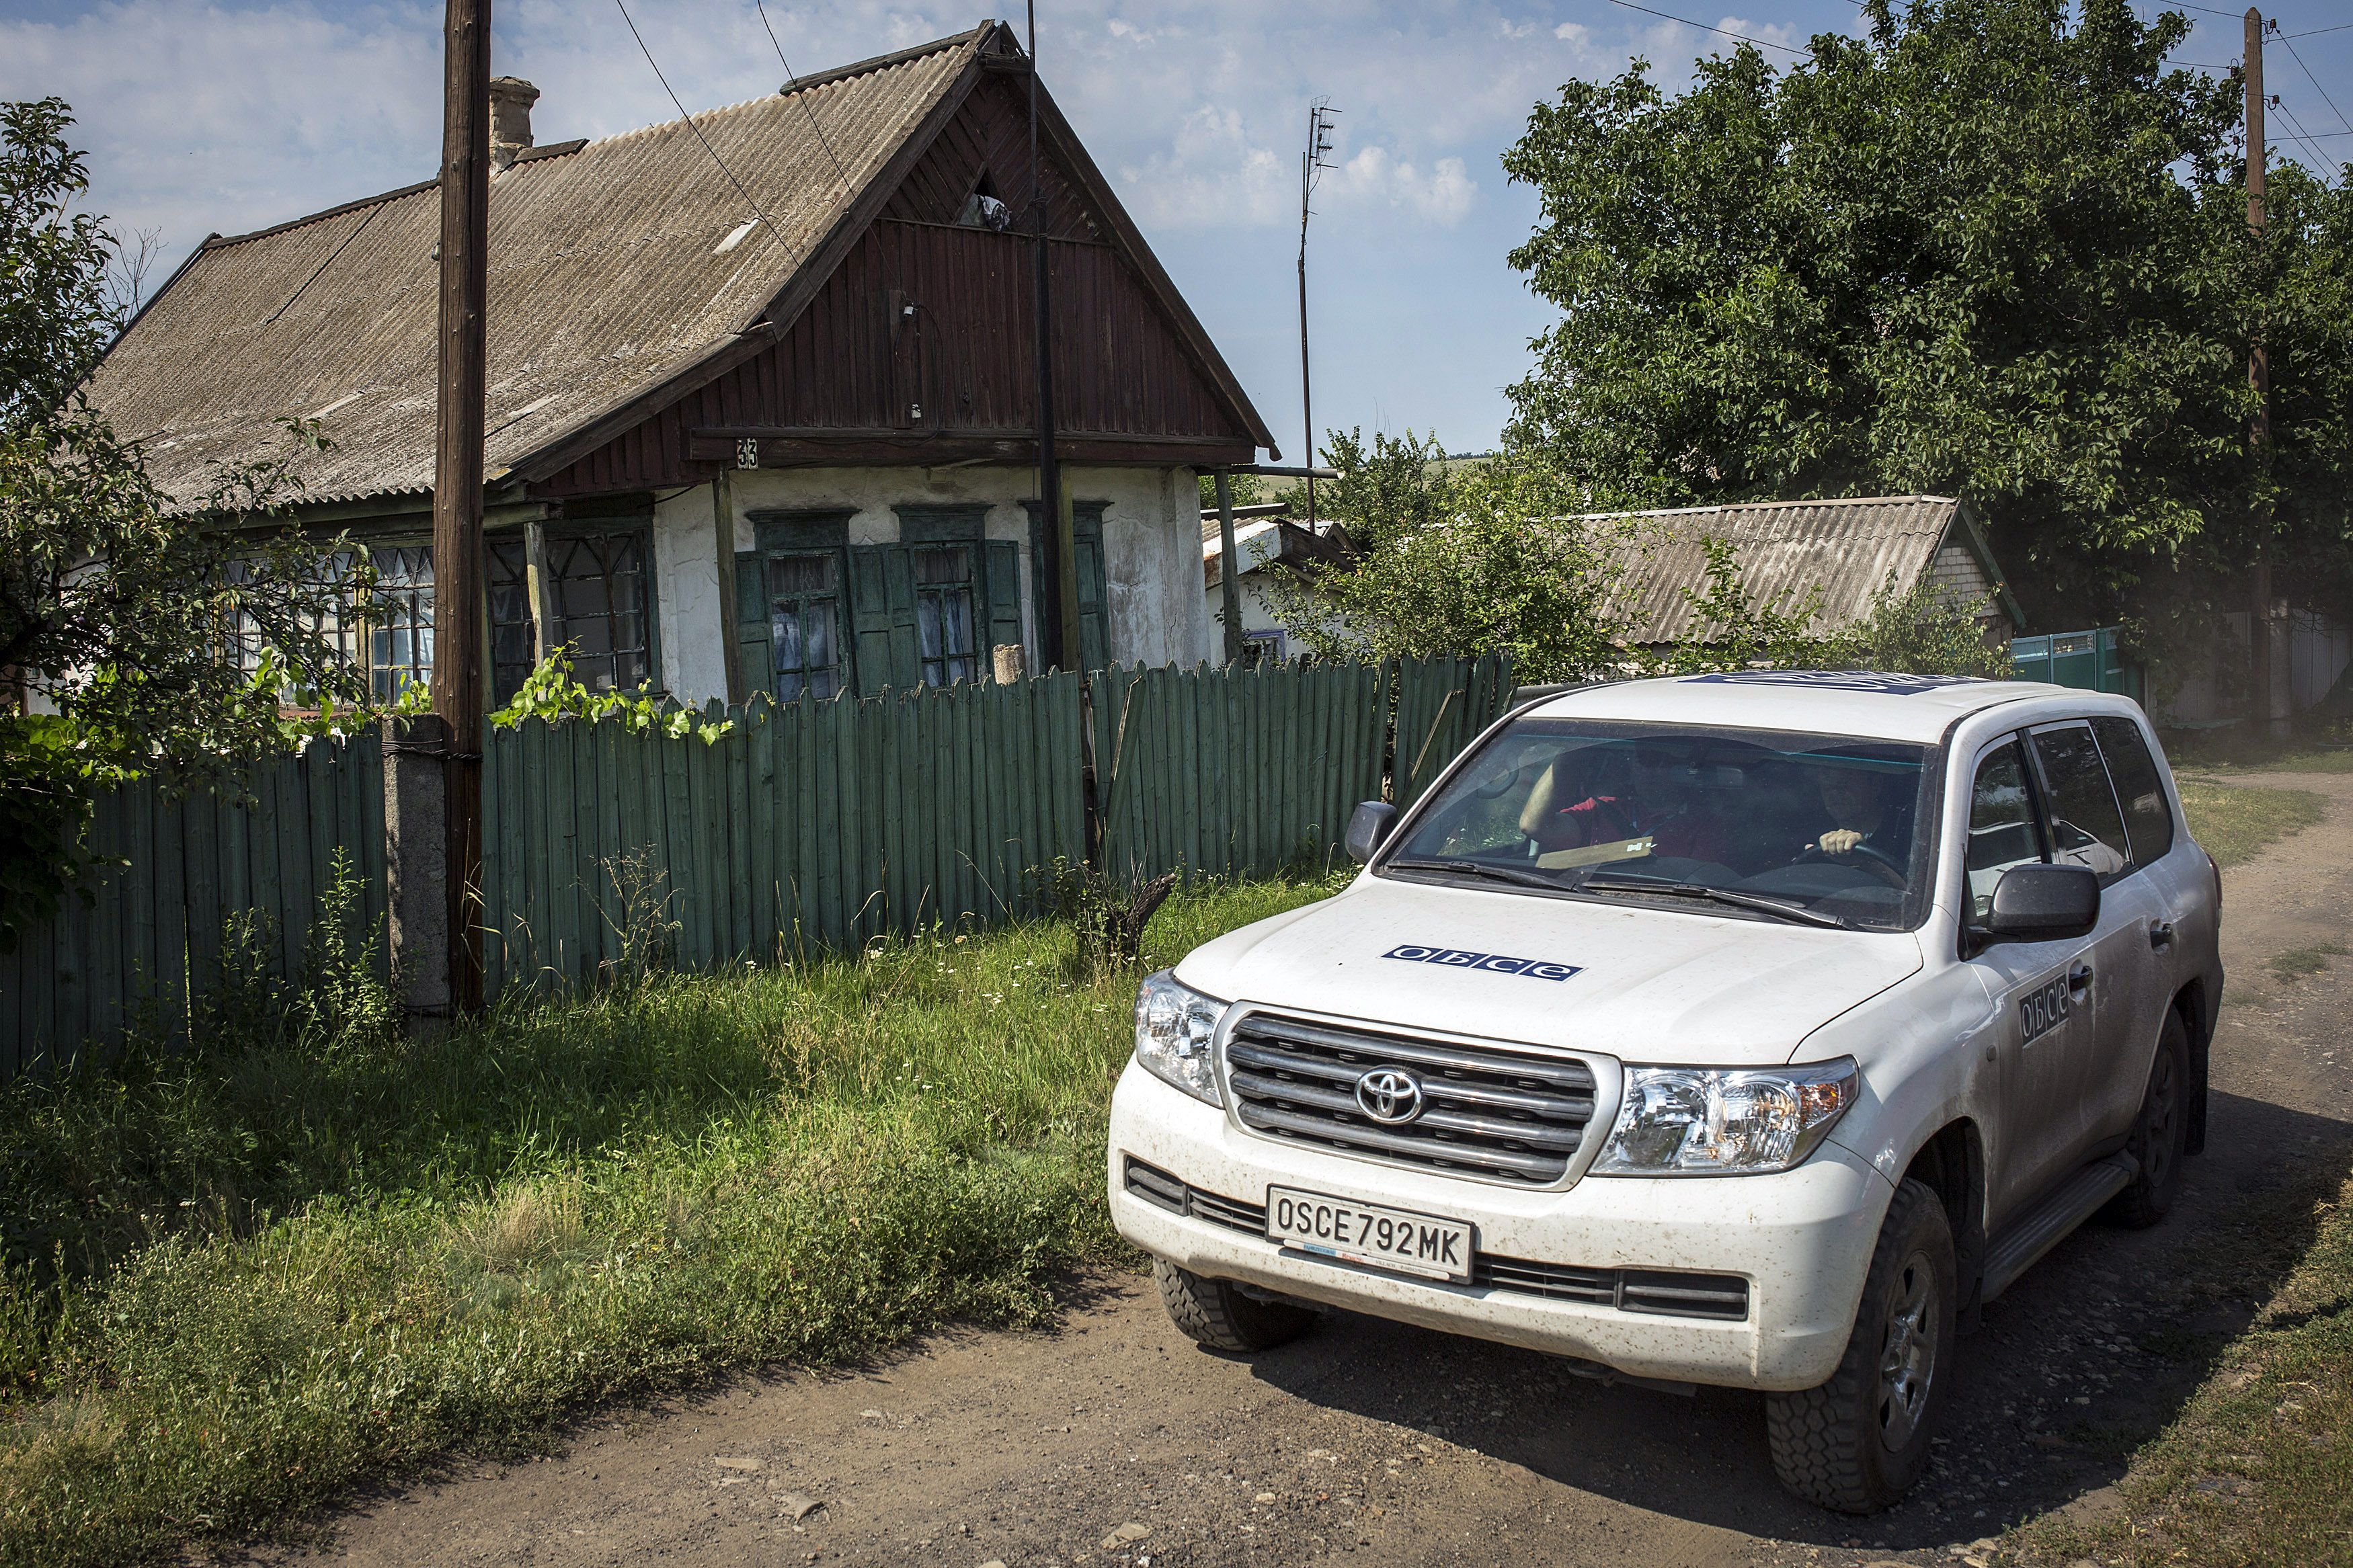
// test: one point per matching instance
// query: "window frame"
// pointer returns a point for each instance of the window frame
(811, 532)
(2050, 814)
(639, 530)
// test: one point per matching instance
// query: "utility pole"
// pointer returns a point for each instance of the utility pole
(1058, 634)
(1311, 165)
(1230, 569)
(458, 476)
(2260, 622)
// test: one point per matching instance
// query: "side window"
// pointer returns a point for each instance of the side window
(400, 640)
(513, 637)
(2002, 831)
(599, 586)
(2149, 820)
(944, 619)
(2086, 827)
(805, 625)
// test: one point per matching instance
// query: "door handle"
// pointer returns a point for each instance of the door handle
(2079, 980)
(2161, 935)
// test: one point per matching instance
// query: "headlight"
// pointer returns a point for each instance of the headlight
(1173, 1026)
(1724, 1121)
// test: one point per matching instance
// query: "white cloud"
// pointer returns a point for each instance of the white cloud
(1442, 195)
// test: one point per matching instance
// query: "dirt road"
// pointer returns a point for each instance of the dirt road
(1113, 1441)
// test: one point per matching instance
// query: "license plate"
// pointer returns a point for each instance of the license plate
(1368, 1233)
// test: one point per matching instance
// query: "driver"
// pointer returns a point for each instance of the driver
(1857, 800)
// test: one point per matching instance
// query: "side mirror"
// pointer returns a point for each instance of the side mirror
(1370, 827)
(2043, 903)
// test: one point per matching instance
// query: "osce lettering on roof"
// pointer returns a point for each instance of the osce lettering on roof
(1485, 963)
(1834, 680)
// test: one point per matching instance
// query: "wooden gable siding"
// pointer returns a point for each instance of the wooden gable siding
(990, 134)
(957, 378)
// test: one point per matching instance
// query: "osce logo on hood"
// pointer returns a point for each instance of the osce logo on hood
(1488, 963)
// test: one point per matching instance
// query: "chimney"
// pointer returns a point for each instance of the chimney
(511, 102)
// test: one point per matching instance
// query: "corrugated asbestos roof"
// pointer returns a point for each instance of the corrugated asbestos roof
(1848, 550)
(606, 280)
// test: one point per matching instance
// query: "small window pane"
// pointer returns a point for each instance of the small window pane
(600, 595)
(2149, 820)
(2085, 828)
(400, 643)
(515, 636)
(943, 616)
(804, 607)
(2002, 826)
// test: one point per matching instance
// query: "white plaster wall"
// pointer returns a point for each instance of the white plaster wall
(1152, 552)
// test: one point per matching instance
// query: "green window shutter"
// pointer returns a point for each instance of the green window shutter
(870, 614)
(756, 654)
(1002, 574)
(906, 653)
(1094, 591)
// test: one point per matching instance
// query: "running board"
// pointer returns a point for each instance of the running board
(2047, 1224)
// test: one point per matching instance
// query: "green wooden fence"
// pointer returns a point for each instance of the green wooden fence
(811, 824)
(152, 937)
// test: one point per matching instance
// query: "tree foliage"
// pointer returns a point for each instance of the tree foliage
(165, 633)
(1996, 248)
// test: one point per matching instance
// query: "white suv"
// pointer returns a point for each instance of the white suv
(1746, 1029)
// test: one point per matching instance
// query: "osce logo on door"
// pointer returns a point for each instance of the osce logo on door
(1486, 963)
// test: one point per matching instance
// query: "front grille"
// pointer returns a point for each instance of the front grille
(1502, 1115)
(1650, 1291)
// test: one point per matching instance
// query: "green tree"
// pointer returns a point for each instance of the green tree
(163, 632)
(1996, 248)
(1460, 564)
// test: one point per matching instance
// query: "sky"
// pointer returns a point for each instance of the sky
(229, 116)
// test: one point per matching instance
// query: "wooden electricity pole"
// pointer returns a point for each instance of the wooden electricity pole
(458, 476)
(2259, 376)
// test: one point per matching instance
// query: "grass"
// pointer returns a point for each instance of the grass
(2234, 823)
(2258, 1469)
(2303, 962)
(240, 1280)
(2324, 746)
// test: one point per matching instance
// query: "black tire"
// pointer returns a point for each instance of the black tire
(1216, 1316)
(1859, 1442)
(2160, 1132)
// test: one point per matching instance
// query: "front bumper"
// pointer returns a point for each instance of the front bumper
(1803, 1240)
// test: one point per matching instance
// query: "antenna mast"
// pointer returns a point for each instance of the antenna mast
(1312, 165)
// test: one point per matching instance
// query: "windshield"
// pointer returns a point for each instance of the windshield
(1820, 829)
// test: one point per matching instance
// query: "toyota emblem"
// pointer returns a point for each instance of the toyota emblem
(1389, 1094)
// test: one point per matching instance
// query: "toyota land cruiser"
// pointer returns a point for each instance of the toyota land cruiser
(1749, 1029)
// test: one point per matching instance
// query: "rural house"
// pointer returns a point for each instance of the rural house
(763, 427)
(1842, 553)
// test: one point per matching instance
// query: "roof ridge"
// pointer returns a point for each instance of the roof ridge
(557, 149)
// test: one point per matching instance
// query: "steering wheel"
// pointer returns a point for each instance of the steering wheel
(1877, 861)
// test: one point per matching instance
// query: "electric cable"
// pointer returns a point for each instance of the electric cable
(2318, 88)
(792, 83)
(1744, 38)
(766, 221)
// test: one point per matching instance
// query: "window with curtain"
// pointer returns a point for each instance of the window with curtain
(804, 624)
(944, 613)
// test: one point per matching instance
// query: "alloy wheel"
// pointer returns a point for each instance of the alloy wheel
(1908, 1363)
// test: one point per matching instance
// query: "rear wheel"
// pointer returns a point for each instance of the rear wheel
(1216, 1316)
(2159, 1131)
(1859, 1442)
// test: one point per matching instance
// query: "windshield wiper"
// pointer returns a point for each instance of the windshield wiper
(1477, 868)
(1755, 902)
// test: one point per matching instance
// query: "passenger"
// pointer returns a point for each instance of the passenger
(1573, 805)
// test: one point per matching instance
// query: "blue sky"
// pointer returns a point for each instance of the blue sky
(230, 115)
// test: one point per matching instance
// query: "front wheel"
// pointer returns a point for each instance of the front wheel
(1859, 1442)
(1216, 1316)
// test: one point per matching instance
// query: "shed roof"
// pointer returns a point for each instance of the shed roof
(1848, 551)
(610, 278)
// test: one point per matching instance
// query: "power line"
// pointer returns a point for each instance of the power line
(690, 125)
(2298, 133)
(792, 81)
(1744, 38)
(2309, 32)
(2318, 88)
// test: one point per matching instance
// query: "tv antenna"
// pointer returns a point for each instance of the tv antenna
(1312, 165)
